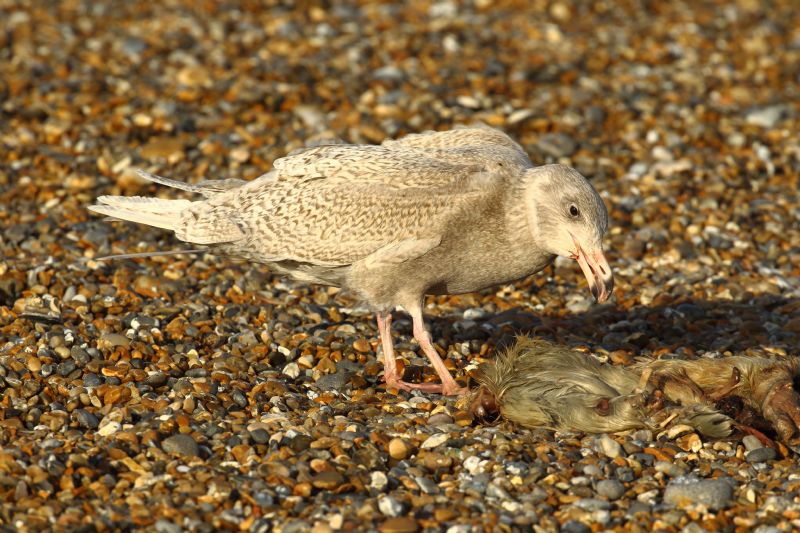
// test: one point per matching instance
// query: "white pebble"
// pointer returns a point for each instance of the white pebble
(378, 481)
(109, 428)
(435, 440)
(473, 465)
(389, 506)
(292, 370)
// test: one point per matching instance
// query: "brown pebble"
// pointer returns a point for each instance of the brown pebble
(33, 363)
(362, 345)
(400, 524)
(462, 418)
(116, 394)
(161, 147)
(690, 442)
(433, 460)
(399, 449)
(302, 489)
(327, 480)
(444, 514)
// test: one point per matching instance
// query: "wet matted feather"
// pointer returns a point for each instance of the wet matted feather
(539, 384)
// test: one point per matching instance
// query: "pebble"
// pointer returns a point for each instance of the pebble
(401, 524)
(761, 455)
(390, 506)
(399, 449)
(435, 440)
(426, 485)
(574, 526)
(327, 480)
(557, 145)
(86, 419)
(111, 340)
(165, 526)
(333, 382)
(609, 447)
(259, 435)
(109, 428)
(751, 443)
(378, 481)
(181, 444)
(713, 493)
(766, 117)
(610, 488)
(440, 419)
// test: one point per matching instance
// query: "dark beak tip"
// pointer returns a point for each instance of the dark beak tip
(596, 293)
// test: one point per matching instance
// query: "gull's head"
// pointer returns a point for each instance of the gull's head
(568, 218)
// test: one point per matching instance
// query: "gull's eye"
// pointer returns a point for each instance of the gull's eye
(573, 211)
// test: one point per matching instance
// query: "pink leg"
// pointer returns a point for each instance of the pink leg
(449, 385)
(390, 374)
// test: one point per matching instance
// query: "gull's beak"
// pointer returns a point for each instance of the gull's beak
(597, 272)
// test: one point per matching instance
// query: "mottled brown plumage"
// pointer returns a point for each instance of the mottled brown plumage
(438, 212)
(539, 384)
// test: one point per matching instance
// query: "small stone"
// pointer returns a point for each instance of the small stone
(761, 455)
(181, 444)
(399, 449)
(66, 368)
(333, 382)
(292, 370)
(362, 345)
(669, 468)
(557, 145)
(92, 380)
(109, 428)
(240, 154)
(156, 379)
(439, 419)
(713, 493)
(495, 491)
(111, 340)
(648, 497)
(751, 443)
(86, 419)
(766, 117)
(474, 465)
(610, 488)
(592, 504)
(260, 436)
(327, 480)
(426, 485)
(33, 364)
(389, 506)
(435, 440)
(691, 442)
(378, 481)
(573, 526)
(608, 447)
(163, 525)
(400, 524)
(162, 148)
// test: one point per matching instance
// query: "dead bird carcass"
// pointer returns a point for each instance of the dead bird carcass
(540, 384)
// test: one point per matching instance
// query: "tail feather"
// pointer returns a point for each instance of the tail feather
(206, 187)
(140, 255)
(175, 184)
(157, 212)
(196, 222)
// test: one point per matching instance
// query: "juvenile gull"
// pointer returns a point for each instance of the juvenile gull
(431, 213)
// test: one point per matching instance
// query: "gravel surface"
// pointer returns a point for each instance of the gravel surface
(180, 393)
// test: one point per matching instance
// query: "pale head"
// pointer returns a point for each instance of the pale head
(568, 218)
